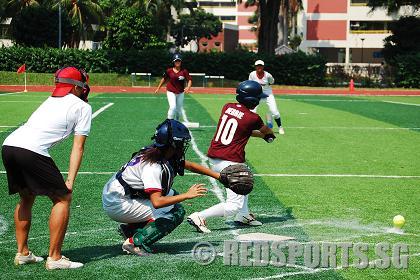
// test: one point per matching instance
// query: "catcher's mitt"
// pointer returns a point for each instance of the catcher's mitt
(238, 178)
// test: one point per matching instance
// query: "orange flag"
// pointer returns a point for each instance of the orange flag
(21, 69)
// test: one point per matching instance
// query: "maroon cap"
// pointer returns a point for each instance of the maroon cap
(65, 80)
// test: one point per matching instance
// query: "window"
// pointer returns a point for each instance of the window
(217, 44)
(359, 2)
(204, 44)
(5, 31)
(216, 4)
(363, 27)
(227, 18)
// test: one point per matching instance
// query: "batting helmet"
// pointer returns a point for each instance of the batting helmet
(176, 56)
(171, 133)
(249, 93)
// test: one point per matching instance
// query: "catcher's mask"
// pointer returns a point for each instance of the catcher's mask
(67, 77)
(172, 133)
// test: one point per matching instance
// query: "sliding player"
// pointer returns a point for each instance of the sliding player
(175, 77)
(265, 79)
(236, 125)
(140, 195)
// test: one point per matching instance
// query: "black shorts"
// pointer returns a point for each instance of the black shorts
(31, 173)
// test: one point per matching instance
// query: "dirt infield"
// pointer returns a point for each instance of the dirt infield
(320, 91)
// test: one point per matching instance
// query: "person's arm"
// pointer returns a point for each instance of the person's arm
(75, 159)
(162, 81)
(199, 169)
(159, 201)
(270, 79)
(189, 84)
(262, 132)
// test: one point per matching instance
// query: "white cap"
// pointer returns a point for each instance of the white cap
(259, 62)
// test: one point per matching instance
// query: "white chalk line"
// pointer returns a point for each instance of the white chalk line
(287, 274)
(204, 161)
(100, 110)
(10, 93)
(268, 175)
(401, 103)
(3, 225)
(337, 127)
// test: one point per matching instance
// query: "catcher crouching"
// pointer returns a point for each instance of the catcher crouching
(140, 194)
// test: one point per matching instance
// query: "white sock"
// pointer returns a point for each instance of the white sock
(217, 210)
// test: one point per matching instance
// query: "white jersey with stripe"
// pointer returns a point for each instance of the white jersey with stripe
(148, 177)
(266, 81)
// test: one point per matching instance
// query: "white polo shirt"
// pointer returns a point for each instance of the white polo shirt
(52, 122)
(265, 82)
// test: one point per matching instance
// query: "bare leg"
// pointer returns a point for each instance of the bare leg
(58, 224)
(23, 215)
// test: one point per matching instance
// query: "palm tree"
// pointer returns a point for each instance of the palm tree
(12, 7)
(274, 18)
(82, 13)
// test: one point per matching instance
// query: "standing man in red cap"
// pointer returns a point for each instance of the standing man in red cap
(31, 171)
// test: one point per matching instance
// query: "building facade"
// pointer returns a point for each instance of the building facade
(344, 31)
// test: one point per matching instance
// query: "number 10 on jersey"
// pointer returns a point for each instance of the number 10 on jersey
(226, 131)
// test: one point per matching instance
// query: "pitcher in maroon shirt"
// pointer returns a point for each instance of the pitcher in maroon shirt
(237, 123)
(175, 79)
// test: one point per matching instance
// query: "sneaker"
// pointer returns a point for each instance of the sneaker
(281, 130)
(247, 220)
(130, 248)
(199, 223)
(30, 258)
(63, 263)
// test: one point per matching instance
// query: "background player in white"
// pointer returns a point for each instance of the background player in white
(265, 79)
(140, 195)
(31, 171)
(237, 124)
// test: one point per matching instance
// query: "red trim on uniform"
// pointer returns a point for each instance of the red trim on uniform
(152, 190)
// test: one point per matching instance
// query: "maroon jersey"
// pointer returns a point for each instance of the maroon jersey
(235, 126)
(176, 81)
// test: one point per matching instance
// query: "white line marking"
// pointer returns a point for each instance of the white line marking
(401, 103)
(10, 93)
(353, 127)
(287, 274)
(3, 225)
(94, 115)
(216, 189)
(8, 126)
(269, 175)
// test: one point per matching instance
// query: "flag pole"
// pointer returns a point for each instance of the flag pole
(25, 82)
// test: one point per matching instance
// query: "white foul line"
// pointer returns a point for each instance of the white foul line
(10, 93)
(204, 160)
(218, 190)
(401, 103)
(94, 115)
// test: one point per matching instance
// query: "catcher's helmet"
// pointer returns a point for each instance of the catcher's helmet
(171, 133)
(176, 56)
(249, 93)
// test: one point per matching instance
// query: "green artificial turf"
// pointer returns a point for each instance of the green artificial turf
(325, 135)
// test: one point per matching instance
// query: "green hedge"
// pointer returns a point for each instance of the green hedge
(407, 71)
(292, 69)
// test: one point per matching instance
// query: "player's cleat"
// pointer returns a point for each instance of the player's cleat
(199, 223)
(130, 248)
(247, 220)
(63, 263)
(281, 130)
(30, 258)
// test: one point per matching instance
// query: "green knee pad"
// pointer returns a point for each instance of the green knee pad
(158, 229)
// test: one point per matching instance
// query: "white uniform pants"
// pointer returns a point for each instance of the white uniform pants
(272, 106)
(176, 103)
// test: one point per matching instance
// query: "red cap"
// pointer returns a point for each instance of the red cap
(62, 89)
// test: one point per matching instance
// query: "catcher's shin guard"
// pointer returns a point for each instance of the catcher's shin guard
(158, 229)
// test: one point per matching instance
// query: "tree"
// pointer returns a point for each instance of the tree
(83, 13)
(13, 7)
(131, 28)
(36, 26)
(195, 26)
(273, 20)
(393, 6)
(405, 38)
